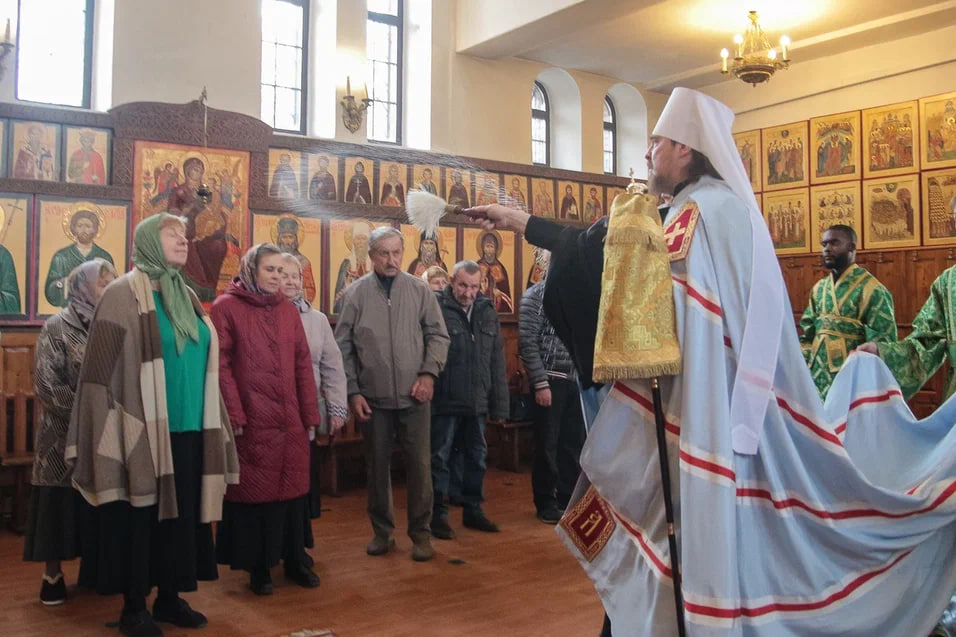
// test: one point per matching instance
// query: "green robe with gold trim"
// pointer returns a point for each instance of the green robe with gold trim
(916, 358)
(842, 315)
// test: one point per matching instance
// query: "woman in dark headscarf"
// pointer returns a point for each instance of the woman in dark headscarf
(52, 527)
(265, 372)
(150, 438)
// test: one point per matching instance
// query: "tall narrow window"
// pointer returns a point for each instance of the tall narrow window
(610, 138)
(384, 41)
(55, 51)
(285, 38)
(540, 143)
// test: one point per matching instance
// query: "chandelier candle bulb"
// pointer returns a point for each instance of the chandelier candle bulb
(784, 44)
(738, 40)
(724, 53)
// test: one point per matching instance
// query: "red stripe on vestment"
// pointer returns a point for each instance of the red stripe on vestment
(727, 342)
(664, 569)
(848, 514)
(809, 424)
(707, 465)
(866, 400)
(700, 298)
(776, 607)
(646, 404)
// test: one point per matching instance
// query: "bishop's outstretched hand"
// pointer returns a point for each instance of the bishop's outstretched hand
(497, 217)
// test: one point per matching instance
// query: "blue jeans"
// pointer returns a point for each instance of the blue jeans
(469, 431)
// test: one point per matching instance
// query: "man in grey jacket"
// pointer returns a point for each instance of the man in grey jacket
(394, 344)
(559, 422)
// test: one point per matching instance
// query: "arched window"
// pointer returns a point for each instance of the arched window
(610, 137)
(540, 123)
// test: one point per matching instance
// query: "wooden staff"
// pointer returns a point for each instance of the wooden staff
(668, 503)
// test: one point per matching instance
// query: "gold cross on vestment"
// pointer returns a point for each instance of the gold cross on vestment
(674, 232)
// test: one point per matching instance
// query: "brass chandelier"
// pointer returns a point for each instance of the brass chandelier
(755, 61)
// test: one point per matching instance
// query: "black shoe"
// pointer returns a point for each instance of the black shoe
(260, 581)
(139, 624)
(477, 521)
(456, 500)
(53, 590)
(440, 528)
(177, 612)
(302, 575)
(549, 515)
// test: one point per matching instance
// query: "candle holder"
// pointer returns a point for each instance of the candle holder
(353, 111)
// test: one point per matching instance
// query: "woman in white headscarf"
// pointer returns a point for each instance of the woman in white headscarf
(51, 534)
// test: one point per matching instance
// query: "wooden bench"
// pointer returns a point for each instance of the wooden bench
(20, 415)
(509, 434)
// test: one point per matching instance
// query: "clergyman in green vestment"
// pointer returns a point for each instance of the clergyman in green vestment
(9, 288)
(916, 358)
(85, 227)
(847, 307)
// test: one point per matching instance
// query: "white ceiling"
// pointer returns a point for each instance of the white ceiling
(664, 43)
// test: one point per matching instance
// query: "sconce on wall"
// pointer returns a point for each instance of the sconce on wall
(6, 46)
(353, 112)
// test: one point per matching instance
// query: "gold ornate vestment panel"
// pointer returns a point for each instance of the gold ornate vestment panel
(636, 334)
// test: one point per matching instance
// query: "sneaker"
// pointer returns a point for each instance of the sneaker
(302, 575)
(177, 611)
(476, 520)
(549, 515)
(139, 624)
(379, 546)
(422, 551)
(441, 529)
(53, 590)
(260, 581)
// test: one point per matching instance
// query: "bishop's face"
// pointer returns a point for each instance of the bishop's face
(287, 242)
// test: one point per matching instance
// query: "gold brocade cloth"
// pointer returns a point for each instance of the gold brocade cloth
(636, 332)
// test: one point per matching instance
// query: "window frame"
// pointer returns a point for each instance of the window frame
(87, 61)
(612, 128)
(397, 21)
(546, 116)
(304, 86)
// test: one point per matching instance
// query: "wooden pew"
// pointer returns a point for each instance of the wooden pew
(19, 417)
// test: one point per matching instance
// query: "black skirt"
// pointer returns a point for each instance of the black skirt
(257, 536)
(129, 550)
(53, 527)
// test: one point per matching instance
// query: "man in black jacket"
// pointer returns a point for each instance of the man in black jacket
(559, 424)
(471, 387)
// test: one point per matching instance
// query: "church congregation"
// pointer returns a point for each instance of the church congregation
(598, 329)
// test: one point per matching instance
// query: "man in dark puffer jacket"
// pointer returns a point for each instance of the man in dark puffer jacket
(471, 387)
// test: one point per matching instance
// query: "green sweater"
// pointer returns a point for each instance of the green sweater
(185, 373)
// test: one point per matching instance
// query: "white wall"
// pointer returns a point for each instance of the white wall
(169, 52)
(454, 103)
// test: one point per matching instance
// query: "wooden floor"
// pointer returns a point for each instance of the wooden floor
(521, 581)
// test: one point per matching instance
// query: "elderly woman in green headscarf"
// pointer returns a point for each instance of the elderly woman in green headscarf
(150, 438)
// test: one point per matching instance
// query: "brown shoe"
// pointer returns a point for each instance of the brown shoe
(379, 545)
(422, 550)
